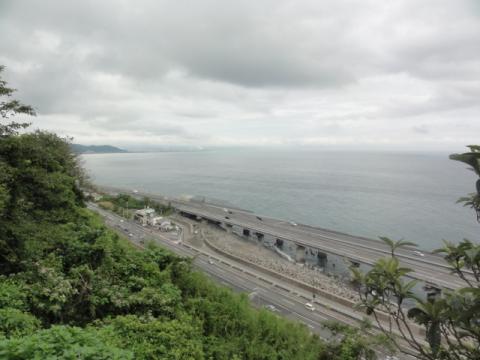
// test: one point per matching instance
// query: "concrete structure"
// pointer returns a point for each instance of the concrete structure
(155, 220)
(332, 252)
(263, 289)
(144, 216)
(166, 226)
(329, 250)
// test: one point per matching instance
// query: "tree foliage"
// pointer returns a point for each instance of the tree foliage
(72, 288)
(11, 107)
(451, 320)
(121, 202)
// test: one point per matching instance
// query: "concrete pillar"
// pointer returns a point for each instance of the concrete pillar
(300, 253)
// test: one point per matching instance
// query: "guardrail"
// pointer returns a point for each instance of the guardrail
(335, 298)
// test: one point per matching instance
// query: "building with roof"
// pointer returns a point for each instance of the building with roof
(144, 216)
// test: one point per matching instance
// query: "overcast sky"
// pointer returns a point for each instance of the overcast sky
(388, 74)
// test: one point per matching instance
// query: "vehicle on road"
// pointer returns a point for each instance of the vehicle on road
(271, 308)
(419, 253)
(121, 220)
(309, 306)
(225, 209)
(293, 223)
(135, 191)
(210, 261)
(130, 235)
(226, 217)
(259, 218)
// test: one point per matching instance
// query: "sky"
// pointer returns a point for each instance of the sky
(334, 73)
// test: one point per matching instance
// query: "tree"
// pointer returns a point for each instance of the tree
(72, 288)
(61, 342)
(471, 158)
(451, 319)
(11, 108)
(394, 245)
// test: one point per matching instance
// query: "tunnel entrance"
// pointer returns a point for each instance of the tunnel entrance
(260, 236)
(279, 244)
(322, 260)
(188, 215)
(355, 264)
(246, 232)
(214, 222)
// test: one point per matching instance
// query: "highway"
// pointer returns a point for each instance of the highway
(280, 297)
(430, 267)
(261, 292)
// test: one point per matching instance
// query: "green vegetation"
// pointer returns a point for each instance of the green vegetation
(95, 149)
(71, 288)
(123, 204)
(451, 319)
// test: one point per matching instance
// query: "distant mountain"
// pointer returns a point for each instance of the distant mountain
(95, 149)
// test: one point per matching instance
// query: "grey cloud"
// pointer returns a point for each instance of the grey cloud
(421, 129)
(231, 44)
(216, 71)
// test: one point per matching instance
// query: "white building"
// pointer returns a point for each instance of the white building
(166, 226)
(156, 220)
(144, 216)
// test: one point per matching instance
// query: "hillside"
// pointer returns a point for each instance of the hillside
(72, 288)
(95, 149)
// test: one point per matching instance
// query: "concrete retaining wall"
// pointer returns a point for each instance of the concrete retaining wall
(338, 299)
(287, 279)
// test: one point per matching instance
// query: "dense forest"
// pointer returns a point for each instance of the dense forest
(71, 288)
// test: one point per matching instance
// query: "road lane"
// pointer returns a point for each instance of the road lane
(289, 302)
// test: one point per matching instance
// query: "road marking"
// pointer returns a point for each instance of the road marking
(236, 285)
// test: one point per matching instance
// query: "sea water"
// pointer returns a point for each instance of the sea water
(400, 195)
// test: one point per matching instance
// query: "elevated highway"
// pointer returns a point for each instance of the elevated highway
(360, 251)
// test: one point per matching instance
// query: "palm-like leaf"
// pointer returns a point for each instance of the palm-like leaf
(394, 245)
(472, 158)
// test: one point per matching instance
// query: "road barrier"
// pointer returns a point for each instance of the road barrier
(335, 298)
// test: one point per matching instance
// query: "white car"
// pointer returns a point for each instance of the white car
(271, 308)
(419, 253)
(310, 307)
(210, 261)
(293, 223)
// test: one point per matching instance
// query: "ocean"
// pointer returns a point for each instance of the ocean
(401, 195)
